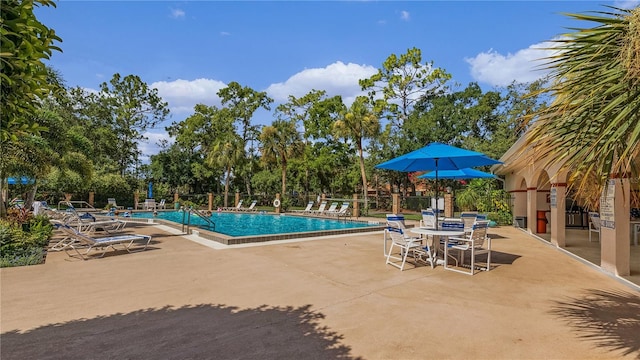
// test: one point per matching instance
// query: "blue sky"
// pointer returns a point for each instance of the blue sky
(189, 50)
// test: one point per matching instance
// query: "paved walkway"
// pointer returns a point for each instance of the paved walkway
(316, 299)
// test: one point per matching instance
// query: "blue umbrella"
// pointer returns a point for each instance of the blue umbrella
(23, 180)
(435, 157)
(466, 173)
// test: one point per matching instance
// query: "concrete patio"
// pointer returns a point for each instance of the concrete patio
(321, 298)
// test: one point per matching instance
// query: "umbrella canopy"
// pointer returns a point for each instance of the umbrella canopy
(436, 157)
(22, 180)
(466, 173)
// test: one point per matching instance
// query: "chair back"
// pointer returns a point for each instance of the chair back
(396, 217)
(428, 218)
(239, 204)
(322, 206)
(253, 204)
(595, 219)
(344, 207)
(452, 225)
(479, 233)
(309, 206)
(333, 206)
(468, 218)
(396, 231)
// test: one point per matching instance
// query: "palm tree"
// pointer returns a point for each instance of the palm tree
(280, 142)
(226, 152)
(593, 124)
(357, 124)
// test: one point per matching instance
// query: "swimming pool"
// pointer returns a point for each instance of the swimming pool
(263, 224)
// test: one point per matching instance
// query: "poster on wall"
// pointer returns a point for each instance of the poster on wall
(607, 202)
(553, 196)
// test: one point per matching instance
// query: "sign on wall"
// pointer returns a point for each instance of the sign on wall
(607, 206)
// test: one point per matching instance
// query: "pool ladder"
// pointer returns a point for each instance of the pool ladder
(210, 224)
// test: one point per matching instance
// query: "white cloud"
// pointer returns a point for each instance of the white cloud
(183, 95)
(627, 4)
(404, 15)
(177, 13)
(524, 66)
(225, 33)
(151, 146)
(336, 79)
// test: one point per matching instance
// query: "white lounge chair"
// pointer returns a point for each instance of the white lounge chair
(252, 206)
(112, 202)
(332, 208)
(307, 209)
(81, 245)
(343, 211)
(236, 208)
(320, 208)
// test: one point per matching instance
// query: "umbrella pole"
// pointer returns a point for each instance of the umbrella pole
(437, 212)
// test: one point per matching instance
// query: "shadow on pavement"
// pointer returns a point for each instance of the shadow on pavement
(199, 332)
(610, 319)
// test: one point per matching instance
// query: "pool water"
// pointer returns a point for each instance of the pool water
(245, 224)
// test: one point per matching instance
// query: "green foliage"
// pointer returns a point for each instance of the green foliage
(25, 257)
(19, 247)
(24, 43)
(592, 126)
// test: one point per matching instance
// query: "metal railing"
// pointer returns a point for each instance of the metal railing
(187, 213)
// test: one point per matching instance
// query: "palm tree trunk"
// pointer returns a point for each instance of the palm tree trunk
(365, 188)
(226, 186)
(284, 178)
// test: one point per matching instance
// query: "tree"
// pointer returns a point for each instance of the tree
(396, 88)
(592, 125)
(280, 142)
(121, 112)
(242, 103)
(403, 81)
(358, 124)
(227, 152)
(24, 43)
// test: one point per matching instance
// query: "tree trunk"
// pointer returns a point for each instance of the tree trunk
(284, 179)
(365, 188)
(226, 186)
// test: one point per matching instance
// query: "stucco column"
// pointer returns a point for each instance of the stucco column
(532, 207)
(395, 203)
(615, 245)
(237, 199)
(136, 200)
(356, 206)
(91, 197)
(557, 196)
(210, 202)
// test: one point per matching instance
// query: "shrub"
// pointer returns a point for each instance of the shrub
(19, 247)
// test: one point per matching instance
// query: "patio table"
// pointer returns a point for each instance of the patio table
(437, 233)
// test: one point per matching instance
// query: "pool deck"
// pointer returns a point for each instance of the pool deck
(322, 298)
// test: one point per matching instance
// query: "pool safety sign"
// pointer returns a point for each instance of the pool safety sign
(607, 205)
